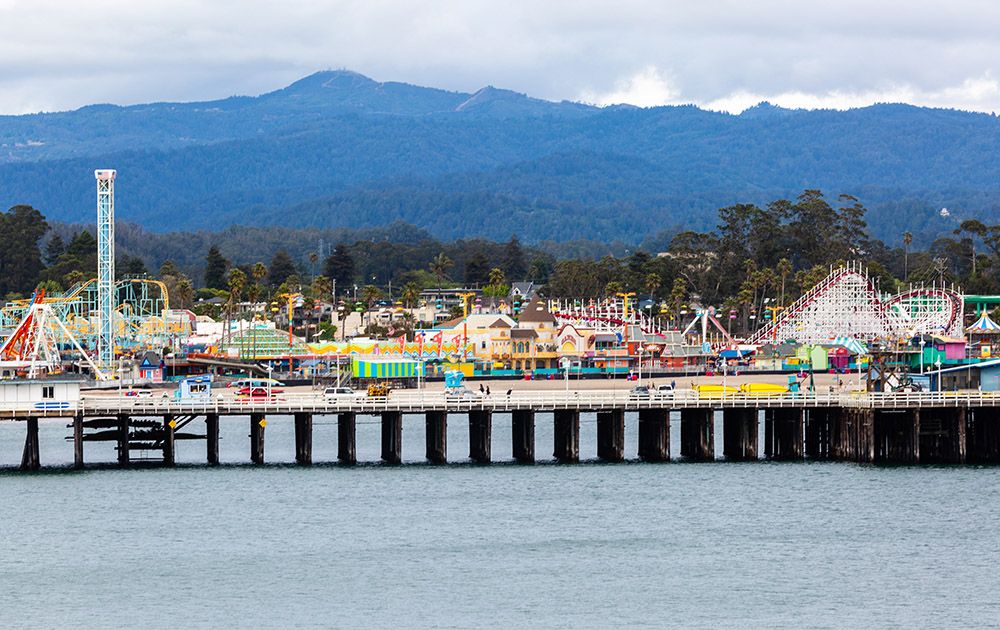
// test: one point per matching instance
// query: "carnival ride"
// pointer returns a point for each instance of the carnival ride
(32, 350)
(142, 317)
(848, 303)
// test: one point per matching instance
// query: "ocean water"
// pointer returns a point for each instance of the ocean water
(718, 545)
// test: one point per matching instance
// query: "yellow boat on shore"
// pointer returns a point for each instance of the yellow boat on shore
(715, 391)
(762, 389)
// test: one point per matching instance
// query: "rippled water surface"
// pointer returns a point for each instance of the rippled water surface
(592, 545)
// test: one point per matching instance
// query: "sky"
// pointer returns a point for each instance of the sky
(722, 55)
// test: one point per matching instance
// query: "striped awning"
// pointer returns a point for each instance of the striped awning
(853, 345)
(984, 326)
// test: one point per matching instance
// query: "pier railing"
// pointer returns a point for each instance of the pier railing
(413, 401)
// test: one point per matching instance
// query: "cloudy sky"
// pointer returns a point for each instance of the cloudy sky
(726, 55)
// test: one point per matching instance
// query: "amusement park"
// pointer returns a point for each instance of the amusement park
(119, 331)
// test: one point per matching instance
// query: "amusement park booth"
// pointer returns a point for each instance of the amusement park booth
(151, 368)
(983, 376)
(43, 393)
(195, 388)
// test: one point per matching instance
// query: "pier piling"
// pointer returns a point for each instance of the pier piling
(257, 424)
(29, 457)
(123, 440)
(212, 438)
(168, 440)
(392, 437)
(783, 433)
(566, 436)
(78, 441)
(983, 435)
(347, 451)
(654, 435)
(897, 436)
(611, 435)
(697, 434)
(522, 425)
(819, 432)
(943, 435)
(739, 434)
(480, 436)
(303, 438)
(436, 437)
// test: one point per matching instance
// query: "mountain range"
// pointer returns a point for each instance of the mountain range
(338, 149)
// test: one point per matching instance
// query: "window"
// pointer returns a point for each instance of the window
(48, 391)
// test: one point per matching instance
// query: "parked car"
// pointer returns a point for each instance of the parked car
(462, 393)
(639, 391)
(335, 393)
(139, 393)
(255, 393)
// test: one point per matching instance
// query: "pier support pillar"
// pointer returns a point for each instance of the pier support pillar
(943, 435)
(29, 458)
(168, 440)
(257, 424)
(303, 439)
(853, 435)
(436, 437)
(347, 450)
(983, 435)
(212, 439)
(654, 435)
(78, 441)
(783, 433)
(611, 435)
(739, 434)
(566, 447)
(522, 424)
(392, 437)
(697, 434)
(123, 440)
(897, 436)
(819, 432)
(480, 436)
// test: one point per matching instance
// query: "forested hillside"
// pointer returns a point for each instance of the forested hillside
(339, 150)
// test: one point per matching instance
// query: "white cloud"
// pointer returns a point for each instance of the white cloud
(646, 88)
(979, 94)
(58, 54)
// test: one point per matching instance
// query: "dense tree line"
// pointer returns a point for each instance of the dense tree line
(757, 257)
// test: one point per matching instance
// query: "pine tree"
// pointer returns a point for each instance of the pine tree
(281, 269)
(339, 266)
(215, 269)
(477, 269)
(55, 249)
(513, 260)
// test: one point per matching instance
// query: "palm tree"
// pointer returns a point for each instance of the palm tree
(313, 259)
(411, 293)
(907, 239)
(653, 283)
(440, 265)
(369, 294)
(784, 270)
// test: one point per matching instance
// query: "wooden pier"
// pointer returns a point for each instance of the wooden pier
(953, 428)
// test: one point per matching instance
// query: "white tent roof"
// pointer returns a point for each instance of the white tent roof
(984, 325)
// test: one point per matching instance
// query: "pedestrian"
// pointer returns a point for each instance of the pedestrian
(487, 390)
(509, 392)
(673, 385)
(480, 388)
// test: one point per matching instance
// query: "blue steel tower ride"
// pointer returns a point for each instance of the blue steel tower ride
(106, 267)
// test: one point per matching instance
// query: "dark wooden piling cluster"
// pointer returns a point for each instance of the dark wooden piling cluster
(865, 434)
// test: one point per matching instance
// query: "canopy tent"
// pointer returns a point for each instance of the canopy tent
(852, 344)
(984, 326)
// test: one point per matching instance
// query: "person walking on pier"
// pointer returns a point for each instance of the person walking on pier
(487, 390)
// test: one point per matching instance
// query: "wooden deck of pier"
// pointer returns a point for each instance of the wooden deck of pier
(857, 426)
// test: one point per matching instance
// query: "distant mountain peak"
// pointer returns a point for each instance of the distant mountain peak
(765, 109)
(490, 94)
